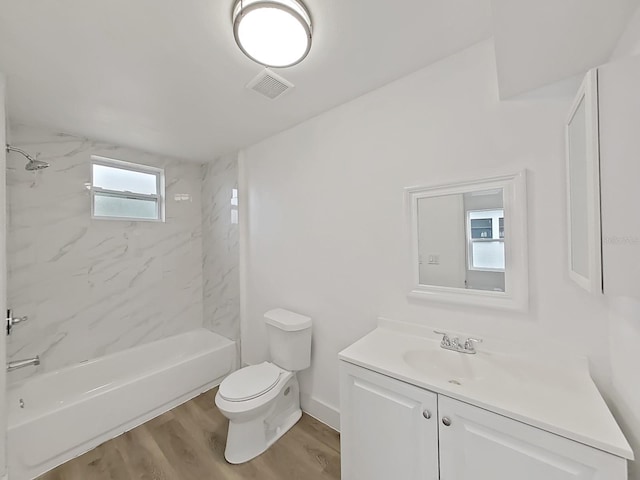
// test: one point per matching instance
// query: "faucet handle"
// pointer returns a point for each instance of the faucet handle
(12, 321)
(446, 341)
(470, 342)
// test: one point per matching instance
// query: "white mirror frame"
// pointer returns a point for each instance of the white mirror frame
(587, 93)
(516, 294)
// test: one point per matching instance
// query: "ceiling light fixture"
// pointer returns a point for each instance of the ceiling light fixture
(274, 33)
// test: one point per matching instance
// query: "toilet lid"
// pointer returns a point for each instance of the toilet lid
(249, 382)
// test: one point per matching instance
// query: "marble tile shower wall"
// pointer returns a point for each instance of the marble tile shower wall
(91, 287)
(221, 285)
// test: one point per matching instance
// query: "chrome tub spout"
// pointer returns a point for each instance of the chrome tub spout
(11, 366)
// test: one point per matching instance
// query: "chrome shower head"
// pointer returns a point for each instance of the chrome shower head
(33, 164)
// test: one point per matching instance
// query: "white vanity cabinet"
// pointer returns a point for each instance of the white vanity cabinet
(393, 430)
(481, 445)
(389, 429)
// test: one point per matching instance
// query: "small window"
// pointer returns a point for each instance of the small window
(481, 227)
(486, 242)
(126, 191)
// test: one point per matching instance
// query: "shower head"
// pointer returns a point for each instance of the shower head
(33, 164)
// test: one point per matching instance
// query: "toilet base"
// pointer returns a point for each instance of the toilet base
(246, 440)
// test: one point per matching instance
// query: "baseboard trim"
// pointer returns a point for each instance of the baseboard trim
(321, 411)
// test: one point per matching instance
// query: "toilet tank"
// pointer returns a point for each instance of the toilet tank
(289, 337)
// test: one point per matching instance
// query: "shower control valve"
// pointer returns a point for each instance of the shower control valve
(11, 320)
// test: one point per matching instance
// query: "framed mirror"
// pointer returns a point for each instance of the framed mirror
(469, 242)
(583, 187)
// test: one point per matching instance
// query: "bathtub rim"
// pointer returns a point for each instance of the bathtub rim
(160, 404)
(128, 380)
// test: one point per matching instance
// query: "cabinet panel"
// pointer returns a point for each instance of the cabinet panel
(583, 187)
(620, 171)
(384, 432)
(481, 445)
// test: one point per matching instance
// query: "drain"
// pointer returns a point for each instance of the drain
(286, 392)
(455, 382)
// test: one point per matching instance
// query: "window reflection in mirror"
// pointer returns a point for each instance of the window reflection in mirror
(461, 240)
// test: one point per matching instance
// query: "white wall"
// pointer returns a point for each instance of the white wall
(441, 232)
(620, 171)
(3, 278)
(629, 43)
(92, 287)
(324, 216)
(221, 288)
(624, 394)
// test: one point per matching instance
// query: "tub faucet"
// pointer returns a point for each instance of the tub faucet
(11, 366)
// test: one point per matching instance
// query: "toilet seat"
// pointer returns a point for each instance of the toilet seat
(250, 382)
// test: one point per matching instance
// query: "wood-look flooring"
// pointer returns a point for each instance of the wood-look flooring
(187, 443)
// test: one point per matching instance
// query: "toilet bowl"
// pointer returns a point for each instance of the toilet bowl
(258, 417)
(262, 402)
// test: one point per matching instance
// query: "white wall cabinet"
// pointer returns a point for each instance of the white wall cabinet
(619, 113)
(583, 186)
(602, 175)
(384, 435)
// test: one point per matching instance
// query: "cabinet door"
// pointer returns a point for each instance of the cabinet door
(620, 165)
(385, 433)
(481, 445)
(583, 187)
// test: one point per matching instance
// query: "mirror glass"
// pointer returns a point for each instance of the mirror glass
(468, 242)
(461, 240)
(578, 201)
(583, 187)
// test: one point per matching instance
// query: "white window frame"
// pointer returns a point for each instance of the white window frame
(134, 167)
(495, 237)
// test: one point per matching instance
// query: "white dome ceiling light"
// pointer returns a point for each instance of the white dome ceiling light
(274, 33)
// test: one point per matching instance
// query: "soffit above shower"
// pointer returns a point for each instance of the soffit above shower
(543, 41)
(167, 76)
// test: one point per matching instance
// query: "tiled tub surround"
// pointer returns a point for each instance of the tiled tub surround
(221, 286)
(92, 287)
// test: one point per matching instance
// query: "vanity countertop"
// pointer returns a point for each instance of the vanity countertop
(556, 396)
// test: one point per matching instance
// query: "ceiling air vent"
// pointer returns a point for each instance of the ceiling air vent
(269, 84)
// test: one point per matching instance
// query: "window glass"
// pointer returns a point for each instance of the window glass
(489, 255)
(482, 228)
(126, 190)
(486, 239)
(112, 206)
(120, 179)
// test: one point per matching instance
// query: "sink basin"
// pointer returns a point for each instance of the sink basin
(446, 364)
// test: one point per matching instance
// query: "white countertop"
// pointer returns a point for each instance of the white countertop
(556, 395)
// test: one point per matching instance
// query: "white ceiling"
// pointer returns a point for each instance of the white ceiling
(543, 41)
(166, 75)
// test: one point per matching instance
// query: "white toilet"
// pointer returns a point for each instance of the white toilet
(262, 401)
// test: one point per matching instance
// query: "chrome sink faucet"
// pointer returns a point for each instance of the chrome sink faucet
(454, 344)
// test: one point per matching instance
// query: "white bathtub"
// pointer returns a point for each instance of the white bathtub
(76, 408)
